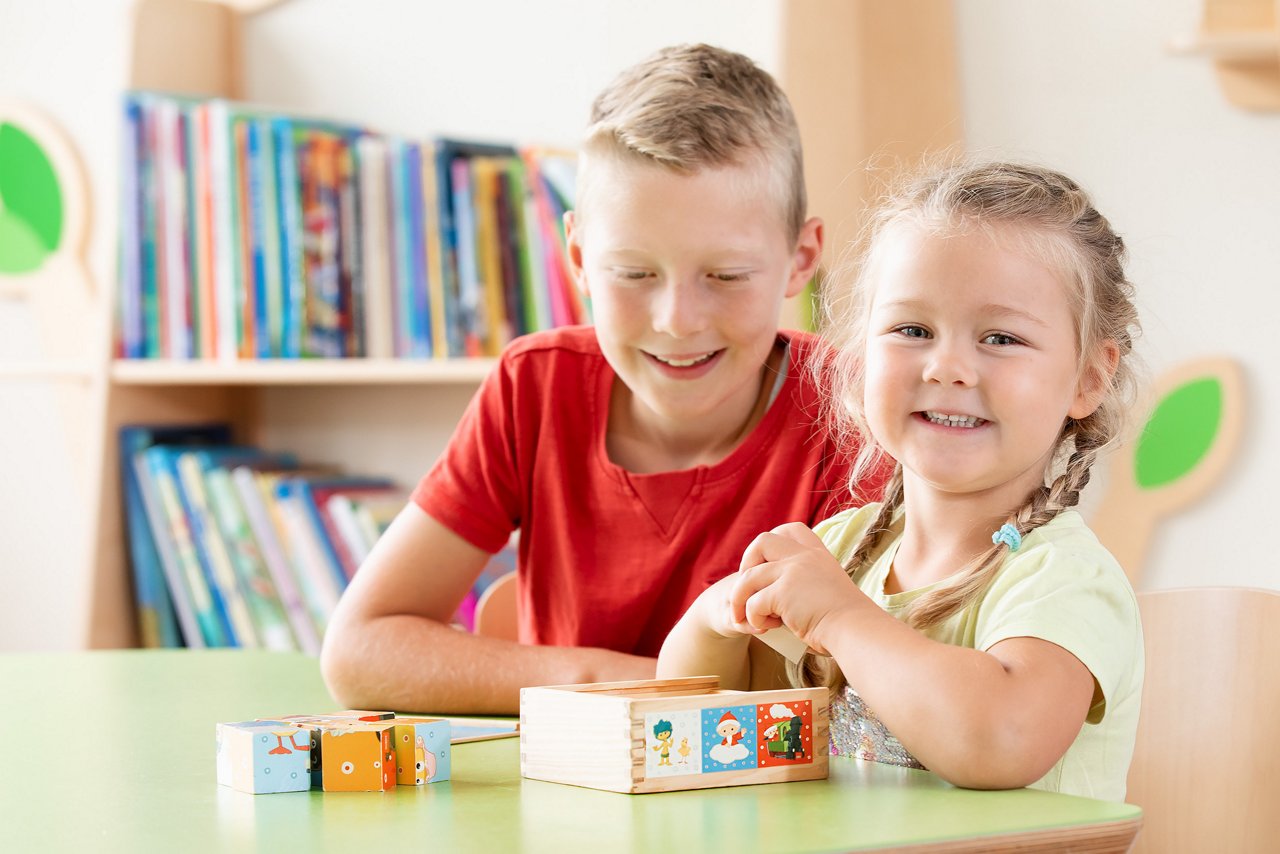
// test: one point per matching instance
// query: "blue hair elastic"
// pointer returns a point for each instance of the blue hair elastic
(1008, 535)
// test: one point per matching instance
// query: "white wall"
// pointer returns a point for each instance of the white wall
(1086, 86)
(1190, 182)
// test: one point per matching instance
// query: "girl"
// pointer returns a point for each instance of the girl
(985, 348)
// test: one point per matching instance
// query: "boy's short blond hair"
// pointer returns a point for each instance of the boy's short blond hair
(692, 107)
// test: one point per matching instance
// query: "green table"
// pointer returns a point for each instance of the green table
(114, 751)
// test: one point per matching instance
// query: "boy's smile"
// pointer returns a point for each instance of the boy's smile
(686, 274)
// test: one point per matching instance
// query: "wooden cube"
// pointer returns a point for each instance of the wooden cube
(661, 735)
(422, 750)
(263, 757)
(357, 757)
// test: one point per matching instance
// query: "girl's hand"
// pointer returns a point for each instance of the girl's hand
(788, 577)
(713, 612)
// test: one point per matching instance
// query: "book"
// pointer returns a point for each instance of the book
(132, 340)
(254, 494)
(164, 617)
(289, 216)
(345, 536)
(168, 515)
(319, 581)
(252, 577)
(211, 550)
(315, 493)
(376, 264)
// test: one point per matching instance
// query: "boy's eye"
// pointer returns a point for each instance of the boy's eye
(633, 275)
(1000, 339)
(912, 331)
(729, 277)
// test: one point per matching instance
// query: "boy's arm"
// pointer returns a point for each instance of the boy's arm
(389, 643)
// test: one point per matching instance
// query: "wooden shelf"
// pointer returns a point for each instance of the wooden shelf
(284, 372)
(1242, 39)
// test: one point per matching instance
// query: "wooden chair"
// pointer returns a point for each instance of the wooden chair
(1206, 769)
(496, 609)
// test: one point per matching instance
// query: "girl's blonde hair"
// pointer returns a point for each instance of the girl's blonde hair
(1048, 215)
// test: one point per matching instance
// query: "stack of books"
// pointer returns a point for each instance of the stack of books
(234, 546)
(247, 234)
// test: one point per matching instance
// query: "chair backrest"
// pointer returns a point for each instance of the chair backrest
(496, 609)
(1206, 768)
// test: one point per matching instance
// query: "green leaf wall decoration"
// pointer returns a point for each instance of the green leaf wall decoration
(1179, 433)
(31, 215)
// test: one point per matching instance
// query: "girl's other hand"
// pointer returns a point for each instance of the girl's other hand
(788, 577)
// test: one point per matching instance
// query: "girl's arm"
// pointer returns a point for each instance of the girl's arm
(703, 644)
(985, 719)
(389, 644)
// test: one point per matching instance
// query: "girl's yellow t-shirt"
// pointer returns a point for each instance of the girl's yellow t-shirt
(1061, 586)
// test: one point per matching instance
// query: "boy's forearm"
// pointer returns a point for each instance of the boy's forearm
(412, 664)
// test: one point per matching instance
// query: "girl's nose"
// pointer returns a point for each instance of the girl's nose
(951, 363)
(679, 310)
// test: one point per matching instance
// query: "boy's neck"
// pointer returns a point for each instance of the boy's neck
(645, 445)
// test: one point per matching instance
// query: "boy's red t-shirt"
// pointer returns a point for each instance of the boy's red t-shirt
(608, 558)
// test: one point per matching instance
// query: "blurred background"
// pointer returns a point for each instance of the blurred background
(1190, 180)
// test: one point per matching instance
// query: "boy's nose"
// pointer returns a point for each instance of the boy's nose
(678, 310)
(951, 363)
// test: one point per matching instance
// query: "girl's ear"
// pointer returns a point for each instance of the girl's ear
(808, 252)
(1095, 382)
(574, 246)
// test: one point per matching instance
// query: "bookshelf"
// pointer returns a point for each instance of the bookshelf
(393, 417)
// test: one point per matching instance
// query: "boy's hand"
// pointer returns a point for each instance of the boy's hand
(788, 577)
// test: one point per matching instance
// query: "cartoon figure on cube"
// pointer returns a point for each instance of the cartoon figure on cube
(662, 732)
(726, 731)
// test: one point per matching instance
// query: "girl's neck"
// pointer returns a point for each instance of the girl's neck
(943, 532)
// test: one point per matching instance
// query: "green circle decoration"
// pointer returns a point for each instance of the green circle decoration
(1179, 433)
(31, 216)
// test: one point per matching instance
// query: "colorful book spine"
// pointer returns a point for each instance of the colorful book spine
(419, 305)
(292, 263)
(212, 550)
(157, 618)
(375, 223)
(132, 344)
(318, 580)
(255, 497)
(260, 594)
(155, 467)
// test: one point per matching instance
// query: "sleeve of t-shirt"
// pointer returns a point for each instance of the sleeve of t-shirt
(474, 487)
(1075, 597)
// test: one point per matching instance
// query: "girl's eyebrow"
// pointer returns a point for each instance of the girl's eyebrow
(1010, 311)
(996, 309)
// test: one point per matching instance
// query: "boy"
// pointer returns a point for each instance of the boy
(638, 457)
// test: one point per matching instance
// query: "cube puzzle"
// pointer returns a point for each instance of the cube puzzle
(352, 751)
(661, 735)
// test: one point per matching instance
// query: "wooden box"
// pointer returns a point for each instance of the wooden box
(662, 735)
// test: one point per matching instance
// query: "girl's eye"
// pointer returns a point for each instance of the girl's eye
(1000, 339)
(912, 331)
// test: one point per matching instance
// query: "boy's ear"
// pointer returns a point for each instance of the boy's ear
(1095, 382)
(574, 248)
(808, 254)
